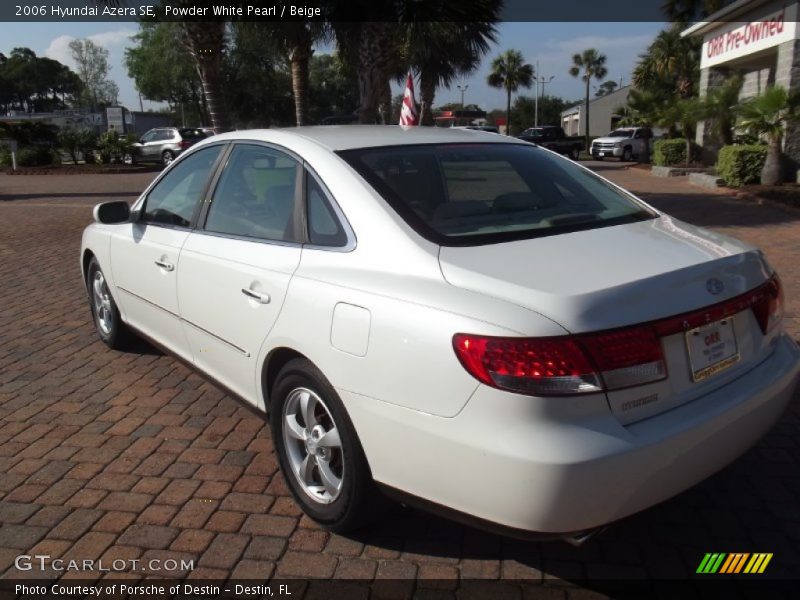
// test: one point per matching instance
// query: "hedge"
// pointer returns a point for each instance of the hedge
(30, 156)
(742, 164)
(667, 153)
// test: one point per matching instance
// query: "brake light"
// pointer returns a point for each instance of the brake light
(768, 305)
(563, 365)
(601, 361)
(185, 144)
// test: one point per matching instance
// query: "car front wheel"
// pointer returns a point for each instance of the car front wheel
(318, 449)
(112, 331)
(626, 154)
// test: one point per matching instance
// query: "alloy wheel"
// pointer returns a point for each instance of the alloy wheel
(102, 303)
(313, 446)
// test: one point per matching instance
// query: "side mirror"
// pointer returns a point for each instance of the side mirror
(117, 211)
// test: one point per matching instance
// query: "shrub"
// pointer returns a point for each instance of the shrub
(75, 141)
(738, 165)
(111, 146)
(672, 152)
(30, 156)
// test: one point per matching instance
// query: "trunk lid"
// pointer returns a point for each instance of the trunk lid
(625, 275)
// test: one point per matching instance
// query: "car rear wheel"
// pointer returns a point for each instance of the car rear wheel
(574, 153)
(112, 331)
(128, 158)
(627, 154)
(318, 449)
(167, 157)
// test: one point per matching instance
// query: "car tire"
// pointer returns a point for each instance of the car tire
(128, 159)
(105, 314)
(328, 475)
(167, 156)
(574, 153)
(627, 154)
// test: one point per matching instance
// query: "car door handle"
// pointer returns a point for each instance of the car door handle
(165, 265)
(260, 297)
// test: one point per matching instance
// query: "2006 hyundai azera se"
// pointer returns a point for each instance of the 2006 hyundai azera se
(456, 317)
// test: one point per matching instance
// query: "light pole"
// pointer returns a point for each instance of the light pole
(462, 89)
(540, 80)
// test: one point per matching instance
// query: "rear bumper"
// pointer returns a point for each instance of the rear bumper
(534, 465)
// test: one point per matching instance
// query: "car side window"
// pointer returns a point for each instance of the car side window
(255, 196)
(164, 135)
(324, 227)
(173, 199)
(149, 136)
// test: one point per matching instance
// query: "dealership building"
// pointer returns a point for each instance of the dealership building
(759, 40)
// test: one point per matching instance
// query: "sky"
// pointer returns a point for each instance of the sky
(551, 44)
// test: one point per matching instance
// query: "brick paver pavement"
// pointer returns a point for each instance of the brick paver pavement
(133, 456)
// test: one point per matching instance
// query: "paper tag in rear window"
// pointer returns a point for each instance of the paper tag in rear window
(712, 348)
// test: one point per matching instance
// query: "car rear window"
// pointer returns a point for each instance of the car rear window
(192, 134)
(473, 194)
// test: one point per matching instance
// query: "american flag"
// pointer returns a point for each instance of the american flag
(408, 112)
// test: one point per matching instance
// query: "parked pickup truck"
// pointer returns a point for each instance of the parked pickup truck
(553, 138)
(624, 143)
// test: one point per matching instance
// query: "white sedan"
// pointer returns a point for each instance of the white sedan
(463, 320)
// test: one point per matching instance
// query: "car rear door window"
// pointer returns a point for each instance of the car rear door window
(175, 197)
(255, 196)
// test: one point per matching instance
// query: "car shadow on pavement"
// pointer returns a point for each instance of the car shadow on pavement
(751, 506)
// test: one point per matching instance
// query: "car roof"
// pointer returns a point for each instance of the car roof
(347, 137)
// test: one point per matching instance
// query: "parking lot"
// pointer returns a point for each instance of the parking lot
(133, 456)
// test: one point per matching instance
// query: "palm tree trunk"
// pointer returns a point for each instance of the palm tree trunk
(427, 92)
(374, 58)
(771, 173)
(205, 40)
(508, 111)
(299, 59)
(586, 106)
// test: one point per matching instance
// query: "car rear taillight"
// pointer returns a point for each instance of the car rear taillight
(184, 144)
(605, 360)
(768, 305)
(563, 365)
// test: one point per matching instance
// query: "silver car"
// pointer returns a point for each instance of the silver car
(164, 144)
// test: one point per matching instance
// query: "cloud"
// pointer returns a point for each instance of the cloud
(602, 43)
(59, 47)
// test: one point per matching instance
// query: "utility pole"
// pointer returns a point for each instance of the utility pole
(540, 80)
(462, 89)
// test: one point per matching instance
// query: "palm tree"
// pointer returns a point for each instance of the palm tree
(671, 63)
(206, 43)
(440, 52)
(510, 72)
(722, 105)
(295, 41)
(686, 112)
(593, 65)
(768, 115)
(687, 10)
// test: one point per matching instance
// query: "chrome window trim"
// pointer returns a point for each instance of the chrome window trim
(351, 242)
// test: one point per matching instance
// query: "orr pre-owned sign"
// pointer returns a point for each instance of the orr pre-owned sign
(738, 39)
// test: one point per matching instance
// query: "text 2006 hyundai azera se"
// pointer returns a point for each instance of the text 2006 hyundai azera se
(461, 318)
